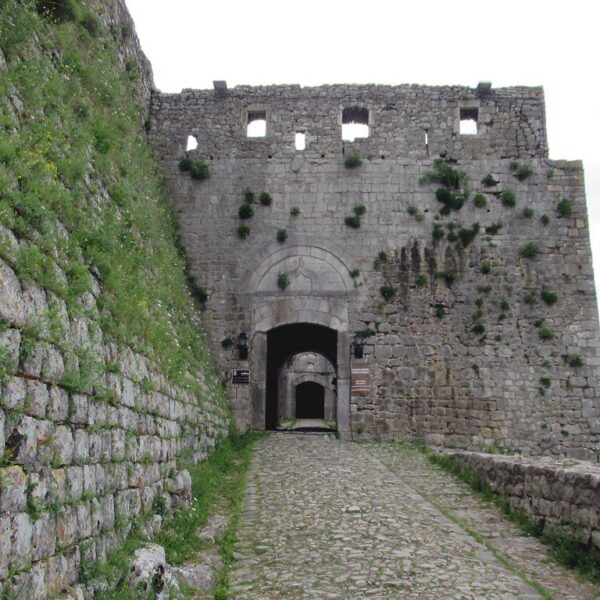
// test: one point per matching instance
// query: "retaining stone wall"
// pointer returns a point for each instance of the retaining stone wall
(565, 494)
(78, 468)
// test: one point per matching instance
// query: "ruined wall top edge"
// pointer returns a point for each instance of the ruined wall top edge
(413, 121)
(334, 88)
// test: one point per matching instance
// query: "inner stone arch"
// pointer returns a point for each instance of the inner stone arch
(296, 398)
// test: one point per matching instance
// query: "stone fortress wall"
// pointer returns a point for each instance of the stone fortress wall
(457, 356)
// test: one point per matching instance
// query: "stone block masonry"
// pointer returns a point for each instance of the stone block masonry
(78, 469)
(489, 336)
(562, 494)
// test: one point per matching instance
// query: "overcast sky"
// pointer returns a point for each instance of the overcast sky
(527, 42)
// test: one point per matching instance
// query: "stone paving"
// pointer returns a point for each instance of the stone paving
(329, 519)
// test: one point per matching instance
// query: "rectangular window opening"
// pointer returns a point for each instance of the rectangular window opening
(257, 123)
(355, 123)
(300, 141)
(469, 121)
(192, 142)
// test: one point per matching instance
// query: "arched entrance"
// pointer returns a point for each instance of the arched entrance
(287, 341)
(310, 400)
(311, 314)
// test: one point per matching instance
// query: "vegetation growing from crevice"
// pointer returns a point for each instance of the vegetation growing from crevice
(246, 211)
(508, 198)
(549, 297)
(81, 191)
(265, 199)
(454, 193)
(387, 292)
(444, 174)
(197, 169)
(527, 212)
(479, 201)
(521, 171)
(529, 250)
(352, 221)
(564, 207)
(283, 280)
(467, 235)
(413, 211)
(437, 232)
(352, 161)
(494, 228)
(381, 259)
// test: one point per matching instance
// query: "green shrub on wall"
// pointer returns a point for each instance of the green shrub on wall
(352, 221)
(387, 292)
(353, 161)
(246, 211)
(265, 199)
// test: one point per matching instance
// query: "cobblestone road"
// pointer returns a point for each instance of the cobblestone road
(329, 519)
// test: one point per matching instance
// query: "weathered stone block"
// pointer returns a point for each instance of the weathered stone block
(35, 305)
(31, 362)
(79, 408)
(13, 486)
(53, 367)
(13, 393)
(22, 532)
(107, 507)
(81, 446)
(43, 537)
(58, 403)
(67, 525)
(150, 572)
(84, 520)
(74, 482)
(21, 441)
(63, 446)
(11, 297)
(10, 341)
(36, 398)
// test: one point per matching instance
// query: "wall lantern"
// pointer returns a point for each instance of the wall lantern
(242, 344)
(359, 344)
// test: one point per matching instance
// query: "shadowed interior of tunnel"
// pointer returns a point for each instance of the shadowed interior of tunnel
(283, 343)
(310, 400)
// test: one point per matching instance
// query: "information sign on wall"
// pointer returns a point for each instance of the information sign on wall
(240, 376)
(361, 382)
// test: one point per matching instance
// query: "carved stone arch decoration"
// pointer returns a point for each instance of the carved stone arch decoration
(312, 267)
(319, 290)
